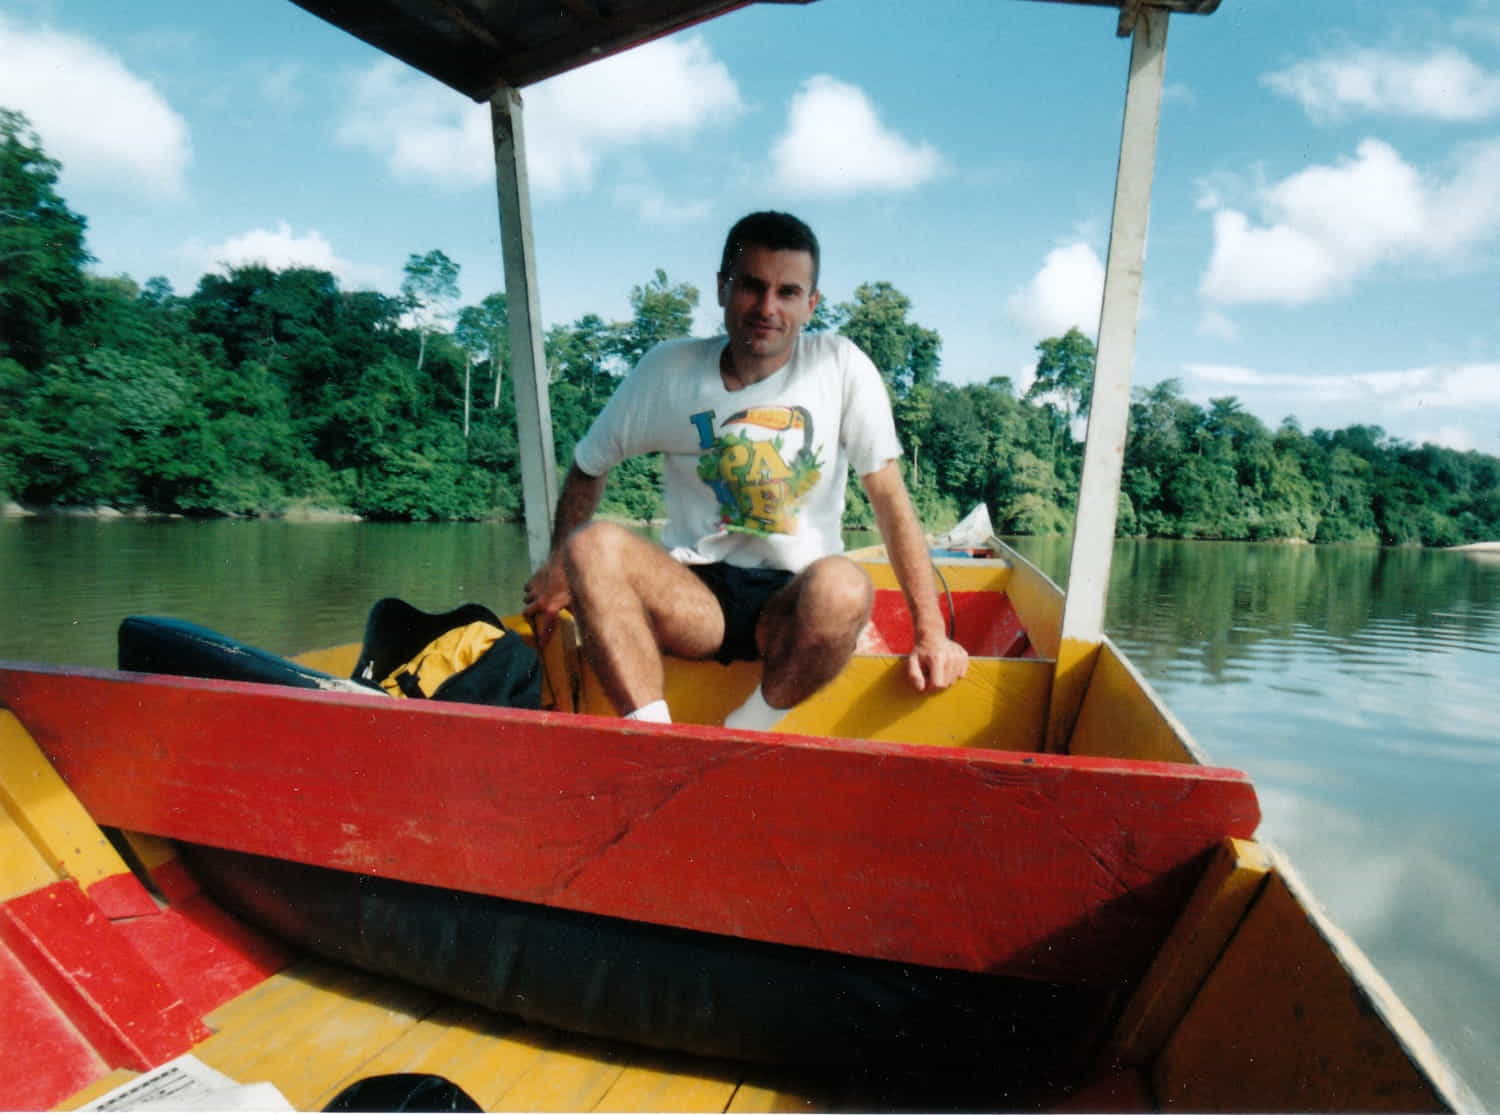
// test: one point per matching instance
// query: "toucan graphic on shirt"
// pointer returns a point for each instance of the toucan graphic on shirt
(758, 487)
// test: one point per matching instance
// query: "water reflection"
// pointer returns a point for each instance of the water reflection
(65, 584)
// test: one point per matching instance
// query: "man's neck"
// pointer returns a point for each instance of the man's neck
(739, 370)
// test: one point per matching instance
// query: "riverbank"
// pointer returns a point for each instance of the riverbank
(13, 510)
(298, 514)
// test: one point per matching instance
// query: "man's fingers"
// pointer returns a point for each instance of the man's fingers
(931, 670)
(915, 672)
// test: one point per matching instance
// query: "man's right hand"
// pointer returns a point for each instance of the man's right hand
(545, 595)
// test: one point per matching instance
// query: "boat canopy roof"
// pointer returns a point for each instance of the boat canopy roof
(480, 46)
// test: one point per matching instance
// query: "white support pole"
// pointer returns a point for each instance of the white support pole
(1109, 407)
(528, 360)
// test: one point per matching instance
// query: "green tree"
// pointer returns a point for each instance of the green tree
(473, 333)
(1065, 370)
(489, 323)
(429, 290)
(907, 354)
(42, 251)
(1161, 424)
(661, 310)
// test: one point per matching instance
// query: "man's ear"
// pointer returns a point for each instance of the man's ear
(723, 289)
(813, 300)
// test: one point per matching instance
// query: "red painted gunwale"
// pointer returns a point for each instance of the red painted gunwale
(1035, 865)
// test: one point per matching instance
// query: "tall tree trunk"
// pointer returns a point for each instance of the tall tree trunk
(499, 369)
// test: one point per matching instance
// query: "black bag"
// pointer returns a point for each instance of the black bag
(164, 645)
(403, 1091)
(397, 637)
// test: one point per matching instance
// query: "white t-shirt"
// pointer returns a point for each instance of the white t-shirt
(753, 477)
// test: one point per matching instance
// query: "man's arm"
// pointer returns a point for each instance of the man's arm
(547, 592)
(936, 661)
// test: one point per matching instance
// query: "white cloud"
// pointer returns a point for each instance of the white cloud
(281, 248)
(1463, 387)
(426, 132)
(675, 88)
(1449, 437)
(1326, 226)
(422, 130)
(1217, 325)
(1443, 85)
(1066, 292)
(1231, 375)
(654, 207)
(835, 144)
(102, 122)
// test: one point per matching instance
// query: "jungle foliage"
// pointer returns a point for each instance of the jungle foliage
(262, 390)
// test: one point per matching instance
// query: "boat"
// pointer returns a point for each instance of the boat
(199, 862)
(1027, 892)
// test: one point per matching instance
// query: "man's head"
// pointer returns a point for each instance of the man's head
(768, 287)
(780, 232)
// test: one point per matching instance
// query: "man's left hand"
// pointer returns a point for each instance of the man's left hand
(936, 664)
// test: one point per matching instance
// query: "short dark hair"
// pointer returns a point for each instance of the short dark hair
(781, 232)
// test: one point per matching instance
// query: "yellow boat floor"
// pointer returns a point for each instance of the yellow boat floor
(314, 1028)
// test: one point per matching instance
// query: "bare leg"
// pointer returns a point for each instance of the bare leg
(634, 602)
(808, 630)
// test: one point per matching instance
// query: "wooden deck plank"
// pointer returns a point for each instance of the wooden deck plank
(295, 980)
(574, 1074)
(663, 1082)
(304, 1039)
(767, 837)
(482, 1052)
(107, 1083)
(307, 1067)
(502, 1051)
(761, 1091)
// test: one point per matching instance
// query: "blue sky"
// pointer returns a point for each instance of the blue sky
(1325, 237)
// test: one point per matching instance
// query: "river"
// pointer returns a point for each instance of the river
(1359, 687)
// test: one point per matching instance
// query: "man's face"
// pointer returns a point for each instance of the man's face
(768, 297)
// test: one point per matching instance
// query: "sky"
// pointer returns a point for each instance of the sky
(1325, 230)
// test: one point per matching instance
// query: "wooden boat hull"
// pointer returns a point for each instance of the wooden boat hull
(1040, 866)
(1095, 916)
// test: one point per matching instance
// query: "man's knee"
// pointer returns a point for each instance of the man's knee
(595, 546)
(839, 590)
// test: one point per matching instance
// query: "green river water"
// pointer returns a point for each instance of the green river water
(1359, 687)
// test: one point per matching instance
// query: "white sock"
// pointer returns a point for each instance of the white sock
(654, 713)
(755, 714)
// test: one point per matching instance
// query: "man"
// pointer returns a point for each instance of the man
(758, 431)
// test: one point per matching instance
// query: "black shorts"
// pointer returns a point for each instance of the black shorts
(742, 596)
